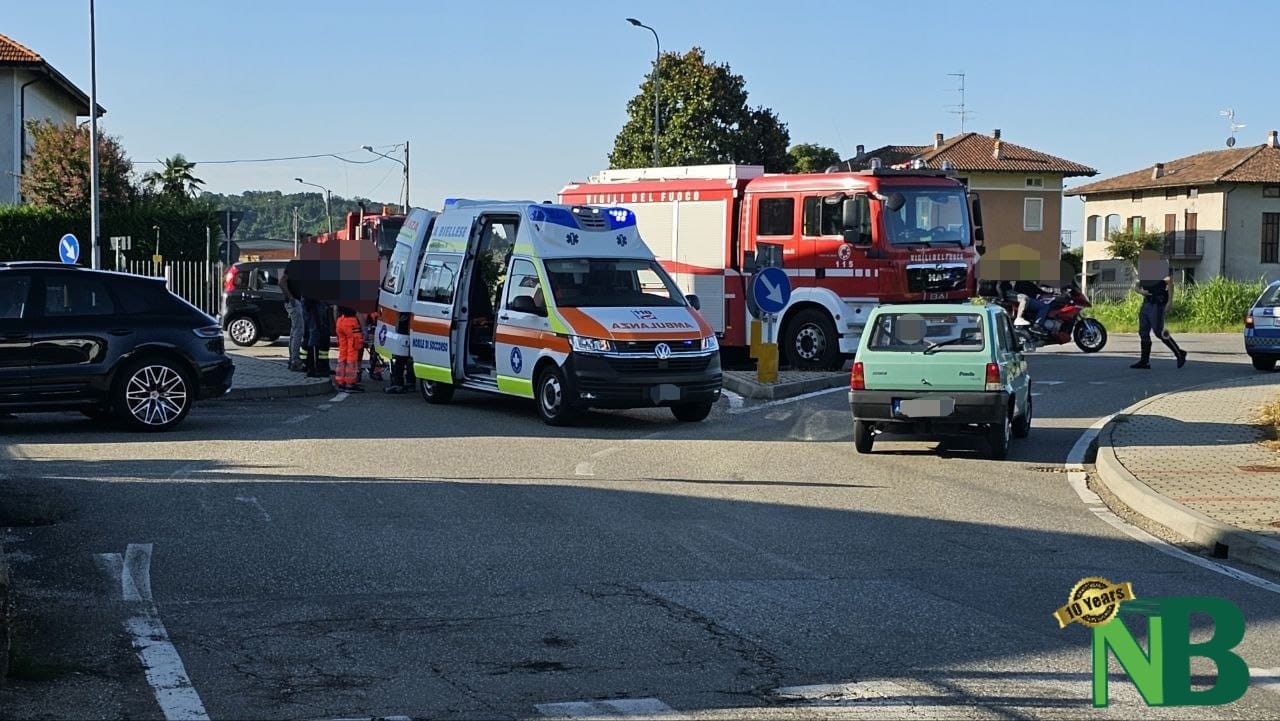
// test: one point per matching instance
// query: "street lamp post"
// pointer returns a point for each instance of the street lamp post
(405, 163)
(327, 215)
(656, 96)
(156, 228)
(95, 220)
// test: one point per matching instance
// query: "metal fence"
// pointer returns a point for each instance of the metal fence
(196, 281)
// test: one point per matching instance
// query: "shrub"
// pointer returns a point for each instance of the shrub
(1215, 306)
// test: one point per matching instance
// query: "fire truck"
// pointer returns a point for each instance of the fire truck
(848, 241)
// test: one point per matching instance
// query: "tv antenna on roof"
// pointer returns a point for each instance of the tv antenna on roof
(960, 109)
(1230, 115)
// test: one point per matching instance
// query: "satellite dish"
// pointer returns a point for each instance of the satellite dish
(1231, 142)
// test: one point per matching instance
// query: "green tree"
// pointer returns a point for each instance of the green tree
(175, 180)
(704, 119)
(812, 158)
(56, 170)
(1128, 244)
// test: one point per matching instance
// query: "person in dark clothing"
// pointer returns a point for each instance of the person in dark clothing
(1028, 295)
(291, 286)
(316, 340)
(1156, 297)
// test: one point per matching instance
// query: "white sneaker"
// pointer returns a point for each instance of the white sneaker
(1022, 322)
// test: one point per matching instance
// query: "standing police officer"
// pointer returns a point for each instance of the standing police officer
(1155, 285)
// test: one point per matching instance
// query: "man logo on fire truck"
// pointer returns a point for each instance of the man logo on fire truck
(847, 242)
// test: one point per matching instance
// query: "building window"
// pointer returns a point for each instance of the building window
(1108, 275)
(776, 216)
(1271, 191)
(1193, 192)
(1093, 228)
(1113, 224)
(1137, 224)
(1035, 182)
(1170, 193)
(1271, 237)
(1135, 196)
(1033, 213)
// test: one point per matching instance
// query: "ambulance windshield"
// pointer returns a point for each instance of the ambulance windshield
(611, 283)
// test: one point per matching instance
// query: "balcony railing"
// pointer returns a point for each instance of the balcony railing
(1182, 247)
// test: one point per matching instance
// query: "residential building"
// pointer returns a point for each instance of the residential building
(1020, 188)
(30, 89)
(1219, 212)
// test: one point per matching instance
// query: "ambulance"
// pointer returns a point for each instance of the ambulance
(562, 304)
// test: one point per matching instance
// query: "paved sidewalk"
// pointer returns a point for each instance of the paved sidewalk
(271, 378)
(1192, 461)
(788, 385)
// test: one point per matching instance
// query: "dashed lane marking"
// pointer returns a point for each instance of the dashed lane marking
(1049, 383)
(165, 673)
(253, 501)
(298, 419)
(735, 400)
(616, 708)
(339, 398)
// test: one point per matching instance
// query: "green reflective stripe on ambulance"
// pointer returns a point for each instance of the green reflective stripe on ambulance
(433, 373)
(515, 386)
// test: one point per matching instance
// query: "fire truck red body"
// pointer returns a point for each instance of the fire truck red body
(713, 226)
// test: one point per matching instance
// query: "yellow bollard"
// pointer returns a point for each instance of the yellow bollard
(756, 334)
(767, 363)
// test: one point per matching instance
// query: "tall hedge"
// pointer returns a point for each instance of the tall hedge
(32, 233)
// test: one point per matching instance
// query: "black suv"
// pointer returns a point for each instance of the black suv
(109, 345)
(253, 306)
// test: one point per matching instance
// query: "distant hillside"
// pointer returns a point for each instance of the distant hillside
(269, 213)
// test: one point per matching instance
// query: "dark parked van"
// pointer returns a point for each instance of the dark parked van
(253, 306)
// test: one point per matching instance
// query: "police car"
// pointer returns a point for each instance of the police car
(1262, 329)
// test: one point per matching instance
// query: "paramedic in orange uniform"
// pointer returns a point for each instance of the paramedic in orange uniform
(350, 341)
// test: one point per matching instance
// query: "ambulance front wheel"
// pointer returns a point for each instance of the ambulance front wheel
(553, 398)
(435, 392)
(691, 412)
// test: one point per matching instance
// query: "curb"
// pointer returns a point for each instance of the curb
(789, 389)
(290, 391)
(4, 617)
(1222, 540)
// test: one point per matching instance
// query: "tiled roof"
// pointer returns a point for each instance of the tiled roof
(975, 152)
(11, 51)
(1255, 164)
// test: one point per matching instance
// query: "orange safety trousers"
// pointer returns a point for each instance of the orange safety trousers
(350, 341)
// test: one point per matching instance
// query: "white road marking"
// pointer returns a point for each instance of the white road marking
(253, 501)
(735, 400)
(1077, 477)
(1033, 395)
(857, 691)
(339, 398)
(586, 468)
(1049, 383)
(1097, 383)
(1267, 679)
(623, 707)
(793, 399)
(174, 693)
(298, 419)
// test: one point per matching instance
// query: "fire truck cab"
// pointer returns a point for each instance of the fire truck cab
(849, 241)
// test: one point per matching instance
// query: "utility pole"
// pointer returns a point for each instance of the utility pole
(406, 177)
(295, 231)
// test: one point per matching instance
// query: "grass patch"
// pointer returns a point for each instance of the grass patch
(1269, 421)
(1218, 306)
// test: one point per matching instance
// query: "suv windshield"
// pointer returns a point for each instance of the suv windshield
(915, 332)
(597, 283)
(929, 216)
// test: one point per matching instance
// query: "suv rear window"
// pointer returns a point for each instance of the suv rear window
(139, 297)
(1270, 297)
(68, 295)
(914, 332)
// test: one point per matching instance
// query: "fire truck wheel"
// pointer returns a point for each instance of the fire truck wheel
(810, 342)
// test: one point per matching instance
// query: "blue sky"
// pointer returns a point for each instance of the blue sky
(514, 99)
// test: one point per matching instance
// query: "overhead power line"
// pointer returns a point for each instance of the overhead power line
(275, 160)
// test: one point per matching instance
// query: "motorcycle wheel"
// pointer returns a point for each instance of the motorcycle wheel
(1090, 335)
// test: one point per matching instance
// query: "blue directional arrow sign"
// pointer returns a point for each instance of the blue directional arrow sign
(771, 290)
(69, 249)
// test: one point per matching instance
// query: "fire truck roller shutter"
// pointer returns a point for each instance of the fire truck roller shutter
(700, 247)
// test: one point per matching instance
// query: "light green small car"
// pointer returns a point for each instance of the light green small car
(941, 370)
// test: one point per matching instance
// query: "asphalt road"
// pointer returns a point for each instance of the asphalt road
(373, 555)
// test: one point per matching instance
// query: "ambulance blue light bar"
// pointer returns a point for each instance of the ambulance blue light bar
(583, 217)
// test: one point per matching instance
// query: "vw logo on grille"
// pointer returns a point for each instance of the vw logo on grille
(662, 351)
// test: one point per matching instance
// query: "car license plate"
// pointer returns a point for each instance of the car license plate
(924, 407)
(666, 392)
